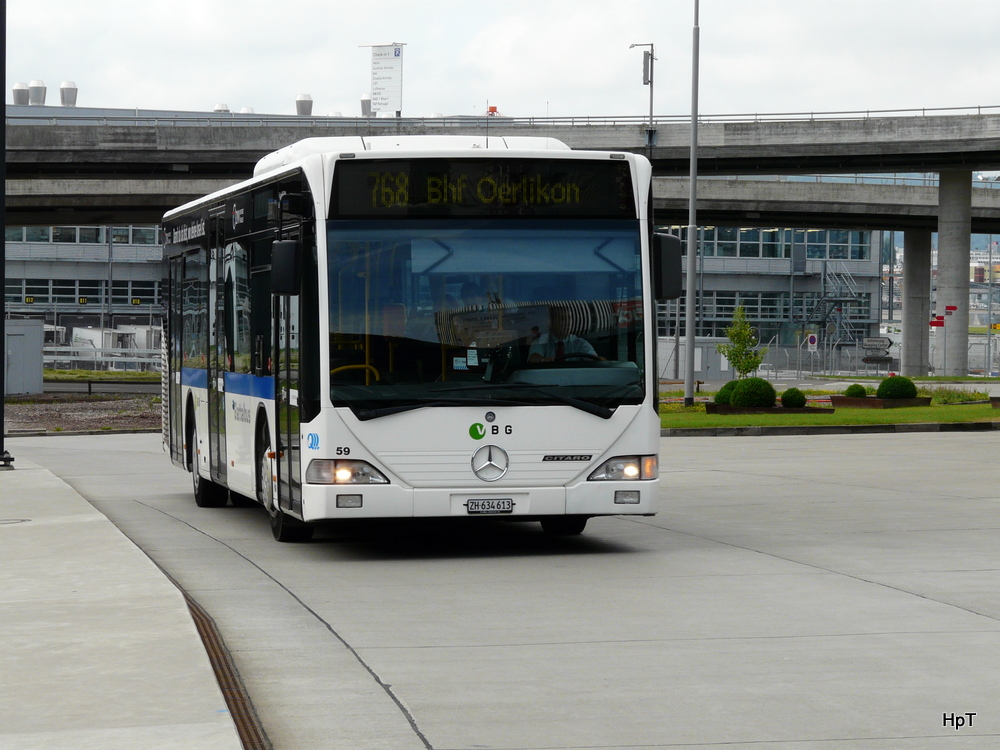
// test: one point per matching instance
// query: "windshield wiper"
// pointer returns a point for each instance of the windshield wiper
(603, 412)
(386, 411)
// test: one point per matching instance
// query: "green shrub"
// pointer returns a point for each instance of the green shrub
(896, 386)
(725, 393)
(856, 391)
(793, 398)
(753, 392)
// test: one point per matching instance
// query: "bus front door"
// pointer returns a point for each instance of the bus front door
(287, 403)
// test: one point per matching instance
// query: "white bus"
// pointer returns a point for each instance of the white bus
(419, 326)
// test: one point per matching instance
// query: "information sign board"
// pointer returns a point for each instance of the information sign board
(387, 78)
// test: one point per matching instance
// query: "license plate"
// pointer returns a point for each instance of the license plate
(491, 505)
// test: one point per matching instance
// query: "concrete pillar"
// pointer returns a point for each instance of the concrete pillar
(951, 344)
(915, 356)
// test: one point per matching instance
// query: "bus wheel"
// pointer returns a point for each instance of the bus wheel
(564, 525)
(283, 526)
(207, 494)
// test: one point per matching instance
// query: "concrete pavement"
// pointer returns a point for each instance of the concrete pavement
(99, 649)
(834, 591)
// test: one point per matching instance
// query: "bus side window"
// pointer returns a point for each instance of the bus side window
(260, 306)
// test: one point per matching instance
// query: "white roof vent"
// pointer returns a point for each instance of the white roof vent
(67, 93)
(303, 105)
(36, 93)
(21, 94)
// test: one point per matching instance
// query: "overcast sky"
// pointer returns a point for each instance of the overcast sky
(526, 57)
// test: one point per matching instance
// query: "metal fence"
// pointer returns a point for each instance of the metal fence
(107, 359)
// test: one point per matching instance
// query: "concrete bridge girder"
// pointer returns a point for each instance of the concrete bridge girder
(816, 204)
(101, 201)
(722, 201)
(762, 147)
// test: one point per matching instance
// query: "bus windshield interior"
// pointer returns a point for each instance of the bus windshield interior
(479, 312)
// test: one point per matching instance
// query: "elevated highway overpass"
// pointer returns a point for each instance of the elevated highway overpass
(105, 165)
(92, 166)
(73, 141)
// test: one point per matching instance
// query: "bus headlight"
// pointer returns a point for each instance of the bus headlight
(339, 471)
(627, 467)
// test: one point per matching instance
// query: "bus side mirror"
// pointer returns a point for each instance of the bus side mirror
(286, 267)
(667, 274)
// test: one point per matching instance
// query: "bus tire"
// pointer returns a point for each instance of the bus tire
(564, 525)
(207, 494)
(284, 527)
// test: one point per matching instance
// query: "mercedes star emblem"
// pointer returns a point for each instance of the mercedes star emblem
(490, 463)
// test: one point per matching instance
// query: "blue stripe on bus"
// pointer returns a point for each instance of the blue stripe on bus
(245, 384)
(237, 383)
(194, 377)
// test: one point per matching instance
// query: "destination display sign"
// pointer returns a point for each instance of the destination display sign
(497, 187)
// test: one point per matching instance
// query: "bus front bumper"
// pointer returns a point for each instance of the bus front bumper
(332, 502)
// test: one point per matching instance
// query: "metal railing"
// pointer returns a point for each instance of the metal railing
(930, 180)
(240, 119)
(91, 358)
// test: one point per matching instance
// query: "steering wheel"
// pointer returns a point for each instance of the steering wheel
(580, 355)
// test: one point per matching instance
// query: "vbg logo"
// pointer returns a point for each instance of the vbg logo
(312, 441)
(477, 431)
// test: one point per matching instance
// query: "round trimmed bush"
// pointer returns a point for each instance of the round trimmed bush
(793, 398)
(753, 392)
(896, 386)
(725, 393)
(856, 391)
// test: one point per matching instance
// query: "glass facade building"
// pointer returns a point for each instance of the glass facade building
(84, 274)
(755, 242)
(789, 281)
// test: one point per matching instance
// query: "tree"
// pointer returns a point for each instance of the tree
(742, 351)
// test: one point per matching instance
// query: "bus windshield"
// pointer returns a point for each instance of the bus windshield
(485, 312)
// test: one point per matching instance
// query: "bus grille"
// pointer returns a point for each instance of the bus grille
(454, 468)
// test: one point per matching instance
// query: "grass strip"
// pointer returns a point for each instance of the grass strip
(677, 416)
(95, 375)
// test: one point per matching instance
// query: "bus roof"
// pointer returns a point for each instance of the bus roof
(353, 144)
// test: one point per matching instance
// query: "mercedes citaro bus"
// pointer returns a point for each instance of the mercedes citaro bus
(419, 326)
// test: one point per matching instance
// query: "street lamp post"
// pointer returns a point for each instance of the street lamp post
(6, 459)
(647, 80)
(692, 233)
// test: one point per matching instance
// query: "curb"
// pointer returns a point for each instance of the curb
(861, 429)
(46, 433)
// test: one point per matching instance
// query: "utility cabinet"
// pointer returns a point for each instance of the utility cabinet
(22, 356)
